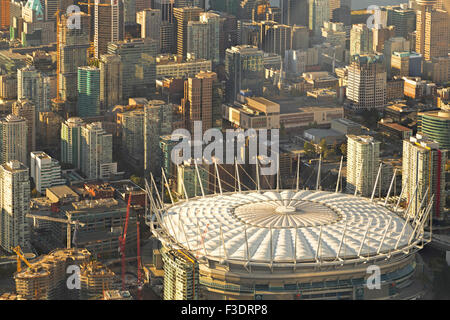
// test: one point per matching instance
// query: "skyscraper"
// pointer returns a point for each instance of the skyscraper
(73, 53)
(88, 92)
(14, 205)
(138, 64)
(294, 12)
(4, 13)
(71, 142)
(361, 40)
(423, 166)
(13, 139)
(34, 86)
(181, 275)
(26, 109)
(157, 122)
(133, 137)
(436, 126)
(150, 21)
(366, 85)
(203, 37)
(245, 70)
(319, 12)
(395, 44)
(363, 159)
(404, 20)
(432, 31)
(197, 103)
(96, 152)
(182, 17)
(110, 80)
(109, 25)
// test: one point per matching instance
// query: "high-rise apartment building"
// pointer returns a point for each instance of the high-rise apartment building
(13, 139)
(366, 84)
(361, 40)
(109, 24)
(245, 69)
(34, 86)
(14, 205)
(26, 109)
(133, 137)
(96, 152)
(110, 66)
(181, 275)
(182, 18)
(363, 160)
(432, 31)
(45, 171)
(88, 104)
(208, 27)
(423, 166)
(71, 142)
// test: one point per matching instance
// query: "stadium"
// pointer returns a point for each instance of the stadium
(295, 244)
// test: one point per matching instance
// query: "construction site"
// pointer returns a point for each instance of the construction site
(106, 261)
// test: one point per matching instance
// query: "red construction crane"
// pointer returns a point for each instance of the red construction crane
(122, 240)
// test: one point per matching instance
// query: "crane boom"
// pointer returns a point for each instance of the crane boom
(54, 219)
(69, 223)
(20, 257)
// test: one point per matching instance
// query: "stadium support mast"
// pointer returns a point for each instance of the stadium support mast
(401, 193)
(390, 188)
(339, 174)
(199, 179)
(376, 182)
(237, 175)
(298, 173)
(167, 185)
(218, 176)
(318, 173)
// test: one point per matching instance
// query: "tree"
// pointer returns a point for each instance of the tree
(282, 131)
(371, 117)
(343, 149)
(137, 180)
(309, 148)
(34, 193)
(323, 147)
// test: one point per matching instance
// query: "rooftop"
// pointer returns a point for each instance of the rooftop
(62, 191)
(284, 226)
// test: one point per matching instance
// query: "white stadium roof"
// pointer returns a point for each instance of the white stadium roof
(284, 226)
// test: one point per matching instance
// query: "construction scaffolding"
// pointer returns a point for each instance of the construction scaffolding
(95, 279)
(46, 278)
